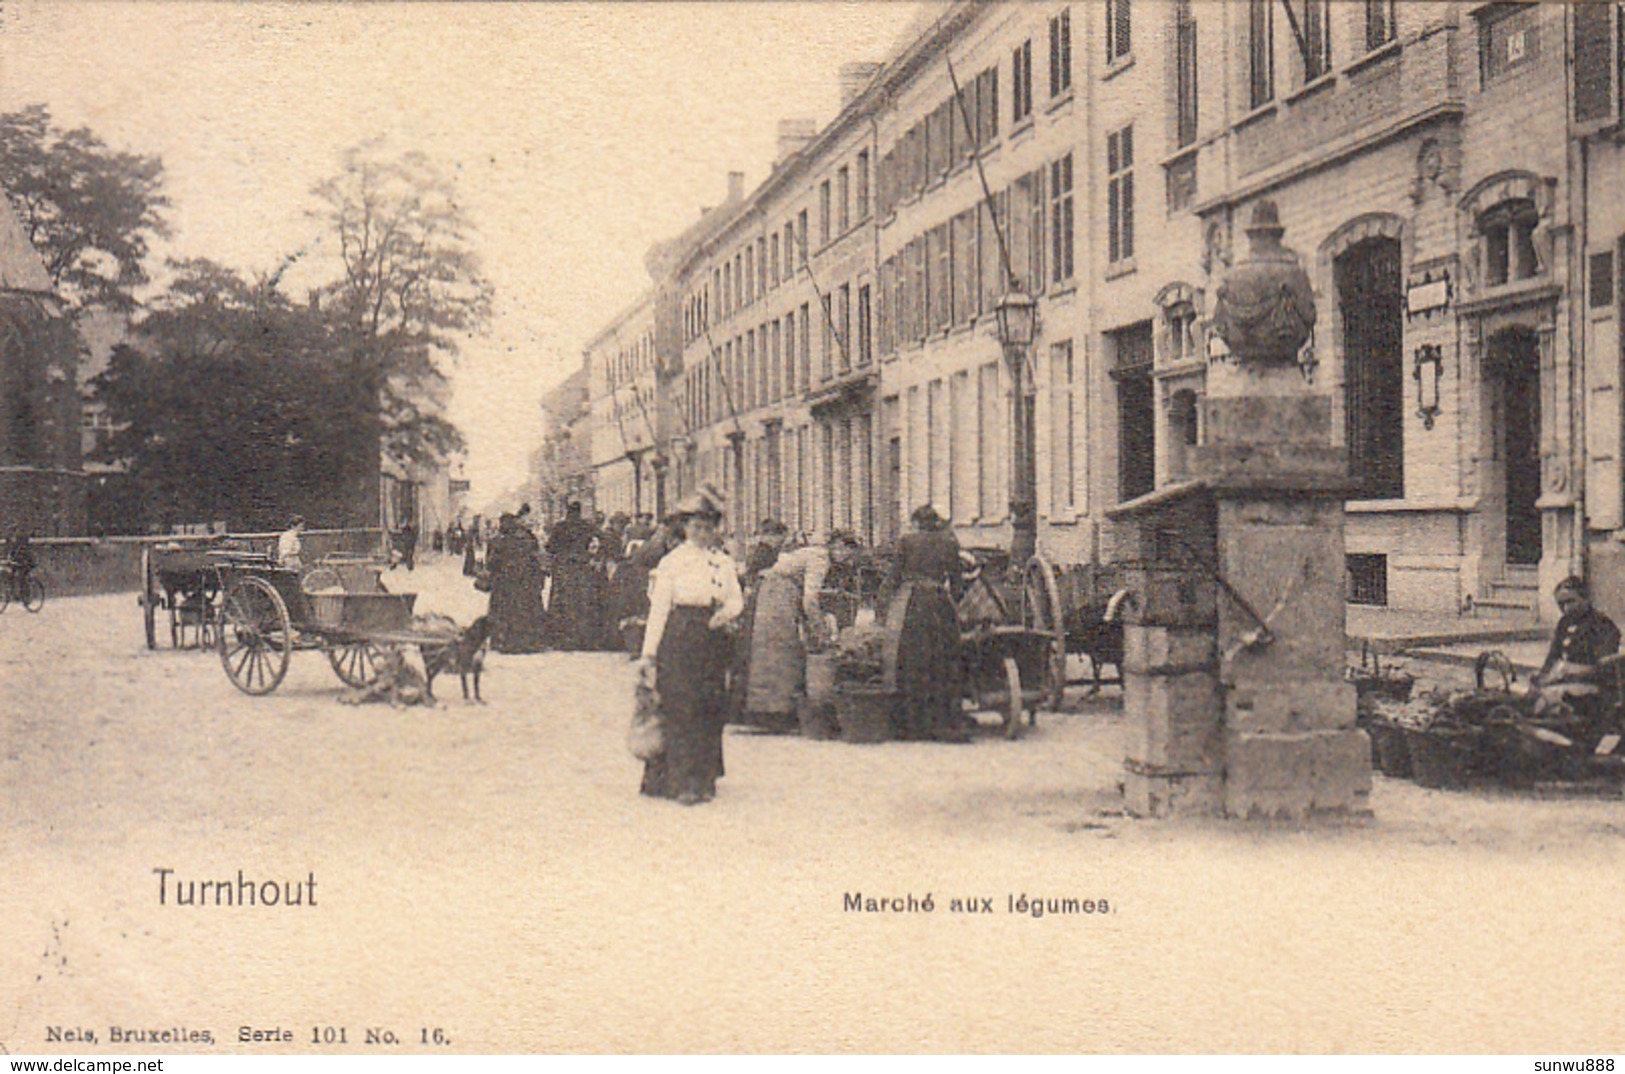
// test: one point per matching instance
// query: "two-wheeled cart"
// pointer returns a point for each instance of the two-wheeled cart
(268, 612)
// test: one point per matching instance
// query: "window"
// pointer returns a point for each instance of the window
(1509, 242)
(961, 468)
(1508, 38)
(1314, 22)
(1185, 73)
(1597, 66)
(1060, 219)
(861, 208)
(1063, 466)
(1379, 23)
(987, 106)
(775, 368)
(843, 326)
(1060, 53)
(790, 353)
(1118, 23)
(823, 213)
(761, 266)
(1120, 194)
(1021, 79)
(789, 250)
(748, 280)
(801, 237)
(773, 261)
(826, 368)
(750, 382)
(990, 460)
(843, 199)
(1602, 280)
(865, 353)
(966, 267)
(1370, 294)
(1260, 52)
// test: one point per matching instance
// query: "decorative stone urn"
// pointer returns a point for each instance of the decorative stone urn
(1266, 305)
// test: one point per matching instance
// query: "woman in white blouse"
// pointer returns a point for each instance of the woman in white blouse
(686, 647)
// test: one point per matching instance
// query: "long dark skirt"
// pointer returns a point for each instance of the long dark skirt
(518, 621)
(469, 569)
(689, 671)
(928, 671)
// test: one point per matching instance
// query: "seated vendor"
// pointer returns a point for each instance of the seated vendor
(1582, 638)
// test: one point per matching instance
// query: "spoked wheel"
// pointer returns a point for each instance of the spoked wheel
(256, 637)
(1041, 610)
(1013, 704)
(34, 594)
(356, 664)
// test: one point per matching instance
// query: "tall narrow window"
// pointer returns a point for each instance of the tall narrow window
(801, 237)
(1060, 53)
(1021, 79)
(1120, 194)
(804, 346)
(843, 326)
(790, 383)
(749, 278)
(1063, 430)
(861, 197)
(1315, 23)
(789, 250)
(823, 213)
(1185, 72)
(1119, 41)
(1060, 219)
(843, 200)
(1260, 52)
(1379, 23)
(1370, 294)
(773, 261)
(775, 390)
(865, 352)
(826, 367)
(761, 266)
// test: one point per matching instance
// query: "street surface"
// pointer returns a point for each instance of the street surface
(489, 871)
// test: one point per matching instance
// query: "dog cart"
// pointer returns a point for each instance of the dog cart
(1007, 665)
(1078, 606)
(268, 612)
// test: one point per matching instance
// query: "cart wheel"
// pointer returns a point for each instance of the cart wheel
(1012, 705)
(256, 638)
(149, 607)
(1041, 610)
(355, 664)
(34, 597)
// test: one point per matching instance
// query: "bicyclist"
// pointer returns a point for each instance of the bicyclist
(20, 557)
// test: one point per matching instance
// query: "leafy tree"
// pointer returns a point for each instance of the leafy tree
(89, 210)
(411, 289)
(227, 406)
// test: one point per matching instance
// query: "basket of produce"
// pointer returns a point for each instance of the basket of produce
(864, 706)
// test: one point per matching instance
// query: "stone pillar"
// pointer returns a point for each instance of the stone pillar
(1291, 748)
(1175, 762)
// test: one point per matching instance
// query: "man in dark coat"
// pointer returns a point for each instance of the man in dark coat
(571, 613)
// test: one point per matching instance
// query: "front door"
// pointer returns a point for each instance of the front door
(1515, 363)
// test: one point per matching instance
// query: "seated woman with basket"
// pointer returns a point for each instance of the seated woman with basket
(1582, 640)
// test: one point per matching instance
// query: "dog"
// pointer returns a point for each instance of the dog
(464, 654)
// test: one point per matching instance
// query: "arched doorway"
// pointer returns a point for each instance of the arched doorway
(1512, 374)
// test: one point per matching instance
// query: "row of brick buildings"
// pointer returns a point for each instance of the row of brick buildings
(823, 347)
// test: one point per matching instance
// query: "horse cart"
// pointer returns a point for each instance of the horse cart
(340, 609)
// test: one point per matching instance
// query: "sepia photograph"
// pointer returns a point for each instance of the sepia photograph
(963, 527)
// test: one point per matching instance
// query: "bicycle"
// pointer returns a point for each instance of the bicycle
(33, 596)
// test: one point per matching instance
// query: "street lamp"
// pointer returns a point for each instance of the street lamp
(1017, 314)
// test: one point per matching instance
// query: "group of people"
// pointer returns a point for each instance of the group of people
(573, 593)
(717, 648)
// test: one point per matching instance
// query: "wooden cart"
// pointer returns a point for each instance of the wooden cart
(268, 612)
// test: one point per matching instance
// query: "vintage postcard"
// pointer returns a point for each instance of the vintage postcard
(793, 527)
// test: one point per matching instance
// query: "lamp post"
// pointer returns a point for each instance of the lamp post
(1017, 315)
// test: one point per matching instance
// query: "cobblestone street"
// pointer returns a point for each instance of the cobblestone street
(491, 871)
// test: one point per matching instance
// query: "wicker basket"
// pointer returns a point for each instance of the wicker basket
(363, 612)
(864, 713)
(1390, 749)
(1442, 758)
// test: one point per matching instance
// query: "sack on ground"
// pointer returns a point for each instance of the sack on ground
(644, 737)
